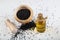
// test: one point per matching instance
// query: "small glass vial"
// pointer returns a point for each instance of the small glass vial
(40, 23)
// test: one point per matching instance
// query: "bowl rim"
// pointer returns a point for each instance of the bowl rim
(23, 21)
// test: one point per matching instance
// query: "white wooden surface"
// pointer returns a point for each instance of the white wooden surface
(50, 8)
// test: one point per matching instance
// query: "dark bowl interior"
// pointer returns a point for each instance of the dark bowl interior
(23, 14)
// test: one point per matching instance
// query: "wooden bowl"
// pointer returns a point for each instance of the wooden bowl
(23, 14)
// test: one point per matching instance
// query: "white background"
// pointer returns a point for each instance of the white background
(50, 8)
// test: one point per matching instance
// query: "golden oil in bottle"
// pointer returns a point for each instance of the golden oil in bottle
(40, 27)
